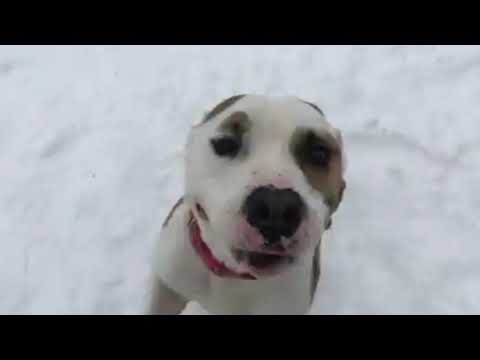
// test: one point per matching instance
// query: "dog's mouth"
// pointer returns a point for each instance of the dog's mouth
(262, 260)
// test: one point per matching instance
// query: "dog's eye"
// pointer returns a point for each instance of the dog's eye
(226, 146)
(319, 155)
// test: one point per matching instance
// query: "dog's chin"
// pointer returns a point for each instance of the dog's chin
(263, 264)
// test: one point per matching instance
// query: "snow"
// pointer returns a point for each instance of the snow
(90, 163)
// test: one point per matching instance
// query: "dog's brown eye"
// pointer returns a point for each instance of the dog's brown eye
(318, 155)
(226, 146)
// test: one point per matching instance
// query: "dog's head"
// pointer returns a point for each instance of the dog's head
(263, 177)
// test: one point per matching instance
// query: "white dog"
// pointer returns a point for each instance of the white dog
(263, 177)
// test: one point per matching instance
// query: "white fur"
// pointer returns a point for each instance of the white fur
(221, 186)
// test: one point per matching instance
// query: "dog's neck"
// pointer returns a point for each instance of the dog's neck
(210, 261)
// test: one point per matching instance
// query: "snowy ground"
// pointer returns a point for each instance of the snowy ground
(91, 139)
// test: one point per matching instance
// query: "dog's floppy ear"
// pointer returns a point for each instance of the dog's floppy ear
(314, 106)
(223, 105)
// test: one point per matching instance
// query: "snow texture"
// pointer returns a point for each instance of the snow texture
(90, 163)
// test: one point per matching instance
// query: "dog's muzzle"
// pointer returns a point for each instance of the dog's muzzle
(275, 213)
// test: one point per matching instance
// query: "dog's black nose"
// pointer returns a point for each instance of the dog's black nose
(274, 212)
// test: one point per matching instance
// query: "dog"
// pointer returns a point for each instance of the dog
(264, 175)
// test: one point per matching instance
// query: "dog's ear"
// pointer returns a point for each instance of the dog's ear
(222, 106)
(314, 106)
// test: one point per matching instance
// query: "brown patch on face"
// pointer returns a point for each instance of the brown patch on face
(221, 107)
(328, 182)
(237, 123)
(170, 214)
(319, 157)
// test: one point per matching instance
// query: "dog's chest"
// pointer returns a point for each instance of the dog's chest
(289, 294)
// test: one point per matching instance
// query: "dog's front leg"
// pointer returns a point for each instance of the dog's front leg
(165, 301)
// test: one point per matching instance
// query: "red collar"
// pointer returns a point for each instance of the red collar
(210, 261)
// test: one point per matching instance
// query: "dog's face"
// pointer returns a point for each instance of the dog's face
(263, 177)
